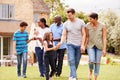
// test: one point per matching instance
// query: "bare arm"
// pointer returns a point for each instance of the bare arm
(30, 40)
(63, 38)
(40, 39)
(86, 37)
(83, 40)
(14, 48)
(104, 41)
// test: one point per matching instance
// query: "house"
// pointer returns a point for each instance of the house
(12, 12)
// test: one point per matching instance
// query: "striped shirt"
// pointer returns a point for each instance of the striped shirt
(21, 41)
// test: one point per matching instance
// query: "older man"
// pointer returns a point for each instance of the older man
(57, 29)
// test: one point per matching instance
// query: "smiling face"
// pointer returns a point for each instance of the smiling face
(70, 16)
(92, 20)
(51, 36)
(93, 17)
(57, 20)
(41, 24)
(23, 28)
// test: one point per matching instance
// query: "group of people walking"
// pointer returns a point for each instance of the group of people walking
(51, 43)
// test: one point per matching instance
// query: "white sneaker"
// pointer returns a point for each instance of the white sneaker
(70, 78)
(74, 79)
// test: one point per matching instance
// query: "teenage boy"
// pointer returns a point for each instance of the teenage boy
(20, 48)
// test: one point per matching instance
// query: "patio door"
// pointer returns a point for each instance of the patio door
(6, 45)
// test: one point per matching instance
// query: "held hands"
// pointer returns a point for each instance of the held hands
(104, 53)
(36, 38)
(32, 38)
(57, 46)
(82, 49)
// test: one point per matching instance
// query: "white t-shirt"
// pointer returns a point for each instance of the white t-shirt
(37, 42)
(41, 35)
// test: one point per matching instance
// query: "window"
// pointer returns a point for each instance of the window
(6, 45)
(6, 11)
(36, 17)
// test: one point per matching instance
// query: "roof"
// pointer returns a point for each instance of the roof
(8, 27)
(40, 6)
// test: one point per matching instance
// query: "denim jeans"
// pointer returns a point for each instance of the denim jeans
(21, 57)
(94, 59)
(74, 56)
(40, 57)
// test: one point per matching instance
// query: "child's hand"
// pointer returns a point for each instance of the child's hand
(55, 48)
(104, 53)
(33, 38)
(58, 45)
(82, 49)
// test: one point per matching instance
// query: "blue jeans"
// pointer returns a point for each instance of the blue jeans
(94, 59)
(40, 57)
(74, 56)
(21, 57)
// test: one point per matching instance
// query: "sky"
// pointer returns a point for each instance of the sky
(93, 5)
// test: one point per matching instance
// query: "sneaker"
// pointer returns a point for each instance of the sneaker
(19, 76)
(57, 75)
(24, 76)
(70, 78)
(41, 75)
(74, 79)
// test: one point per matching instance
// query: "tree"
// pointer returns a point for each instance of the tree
(57, 7)
(112, 22)
(83, 16)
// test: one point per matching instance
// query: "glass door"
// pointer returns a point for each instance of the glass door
(6, 46)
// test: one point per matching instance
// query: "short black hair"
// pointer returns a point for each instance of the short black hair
(94, 15)
(71, 10)
(22, 24)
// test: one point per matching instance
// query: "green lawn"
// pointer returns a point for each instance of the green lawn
(107, 72)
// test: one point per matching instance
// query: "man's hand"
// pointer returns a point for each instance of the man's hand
(58, 46)
(82, 49)
(104, 53)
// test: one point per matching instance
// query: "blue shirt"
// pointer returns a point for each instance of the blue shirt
(57, 33)
(21, 41)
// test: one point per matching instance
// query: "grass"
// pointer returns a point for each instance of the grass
(107, 72)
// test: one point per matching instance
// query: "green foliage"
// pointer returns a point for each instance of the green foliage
(57, 8)
(83, 16)
(112, 22)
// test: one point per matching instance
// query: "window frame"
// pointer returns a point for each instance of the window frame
(7, 11)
